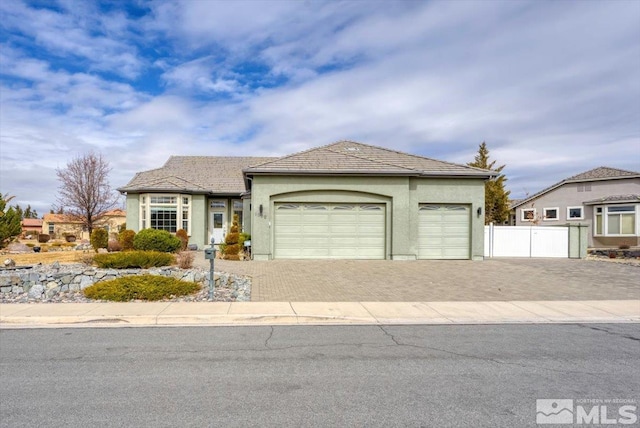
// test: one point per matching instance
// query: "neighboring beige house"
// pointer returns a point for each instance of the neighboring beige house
(345, 200)
(59, 226)
(112, 221)
(31, 226)
(605, 199)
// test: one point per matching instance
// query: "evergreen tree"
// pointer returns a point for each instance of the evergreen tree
(30, 212)
(10, 222)
(496, 198)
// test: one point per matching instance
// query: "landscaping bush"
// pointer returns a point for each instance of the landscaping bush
(156, 240)
(182, 235)
(125, 238)
(232, 248)
(43, 237)
(185, 259)
(133, 259)
(99, 238)
(114, 246)
(142, 287)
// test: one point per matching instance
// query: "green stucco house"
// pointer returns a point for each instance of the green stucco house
(346, 200)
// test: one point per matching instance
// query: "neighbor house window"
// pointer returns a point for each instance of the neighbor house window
(528, 214)
(51, 228)
(166, 212)
(599, 224)
(551, 213)
(575, 213)
(616, 220)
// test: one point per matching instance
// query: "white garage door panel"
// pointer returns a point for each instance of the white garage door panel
(444, 232)
(331, 231)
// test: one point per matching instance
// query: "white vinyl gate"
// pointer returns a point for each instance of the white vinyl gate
(526, 241)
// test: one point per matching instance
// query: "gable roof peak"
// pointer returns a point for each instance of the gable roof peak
(602, 172)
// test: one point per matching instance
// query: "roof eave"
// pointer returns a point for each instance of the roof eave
(483, 175)
(184, 191)
(584, 180)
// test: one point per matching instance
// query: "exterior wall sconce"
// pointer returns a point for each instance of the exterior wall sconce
(260, 209)
(479, 211)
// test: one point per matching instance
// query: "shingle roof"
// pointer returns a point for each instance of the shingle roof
(633, 198)
(602, 173)
(32, 222)
(115, 213)
(195, 174)
(597, 174)
(61, 218)
(348, 157)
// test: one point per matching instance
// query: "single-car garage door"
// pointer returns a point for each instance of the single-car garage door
(329, 231)
(443, 231)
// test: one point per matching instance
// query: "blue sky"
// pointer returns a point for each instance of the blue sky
(553, 87)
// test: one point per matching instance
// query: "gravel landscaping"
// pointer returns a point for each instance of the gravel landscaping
(63, 283)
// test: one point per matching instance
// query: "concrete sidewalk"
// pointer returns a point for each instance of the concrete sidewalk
(301, 313)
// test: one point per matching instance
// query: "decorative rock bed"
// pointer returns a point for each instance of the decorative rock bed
(614, 253)
(64, 283)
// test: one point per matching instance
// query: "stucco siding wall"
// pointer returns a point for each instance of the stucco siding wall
(401, 195)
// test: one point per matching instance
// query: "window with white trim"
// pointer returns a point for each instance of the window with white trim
(550, 214)
(575, 213)
(528, 214)
(616, 220)
(166, 212)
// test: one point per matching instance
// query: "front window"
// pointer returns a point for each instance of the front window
(528, 214)
(51, 228)
(166, 212)
(575, 213)
(551, 213)
(615, 220)
(237, 210)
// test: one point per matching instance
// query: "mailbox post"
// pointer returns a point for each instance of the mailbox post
(210, 254)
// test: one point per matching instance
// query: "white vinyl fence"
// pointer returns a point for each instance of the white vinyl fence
(526, 241)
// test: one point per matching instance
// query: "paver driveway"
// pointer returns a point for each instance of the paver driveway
(431, 280)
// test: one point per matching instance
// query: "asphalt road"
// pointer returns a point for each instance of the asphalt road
(310, 376)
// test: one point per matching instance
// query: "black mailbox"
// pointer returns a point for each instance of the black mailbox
(209, 253)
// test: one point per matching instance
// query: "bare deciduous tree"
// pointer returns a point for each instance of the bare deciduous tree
(84, 190)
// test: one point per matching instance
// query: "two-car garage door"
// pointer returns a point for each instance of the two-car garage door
(329, 231)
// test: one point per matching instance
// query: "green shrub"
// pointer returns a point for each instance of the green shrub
(142, 287)
(99, 238)
(133, 259)
(156, 240)
(125, 238)
(182, 235)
